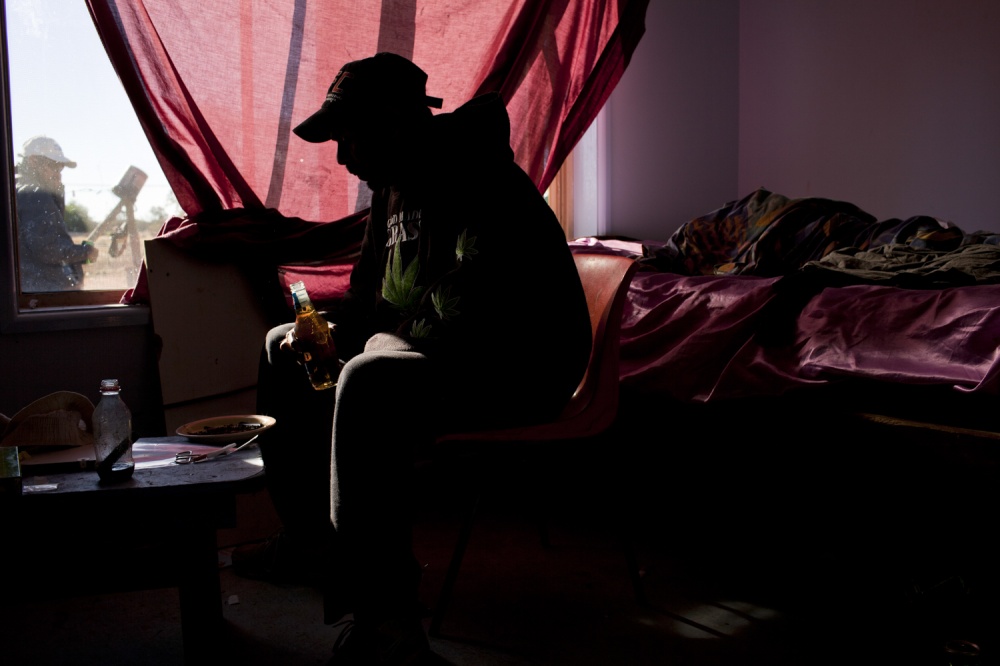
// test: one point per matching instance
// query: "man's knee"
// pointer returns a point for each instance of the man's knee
(380, 369)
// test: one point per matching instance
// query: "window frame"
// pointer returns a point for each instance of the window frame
(579, 192)
(59, 310)
(561, 196)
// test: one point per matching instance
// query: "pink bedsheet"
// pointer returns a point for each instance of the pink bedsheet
(699, 338)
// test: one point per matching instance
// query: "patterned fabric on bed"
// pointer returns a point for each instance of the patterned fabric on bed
(769, 235)
(906, 266)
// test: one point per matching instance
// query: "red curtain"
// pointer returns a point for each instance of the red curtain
(218, 85)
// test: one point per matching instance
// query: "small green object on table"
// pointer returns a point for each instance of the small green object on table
(10, 472)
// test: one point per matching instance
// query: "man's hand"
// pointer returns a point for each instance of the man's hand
(92, 252)
(291, 345)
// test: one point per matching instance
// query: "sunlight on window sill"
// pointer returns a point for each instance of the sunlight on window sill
(63, 318)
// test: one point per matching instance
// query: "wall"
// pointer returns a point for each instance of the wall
(671, 124)
(35, 364)
(892, 105)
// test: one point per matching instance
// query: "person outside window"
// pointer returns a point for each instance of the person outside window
(49, 260)
(465, 311)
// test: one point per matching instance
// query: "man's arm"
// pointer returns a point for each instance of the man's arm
(43, 233)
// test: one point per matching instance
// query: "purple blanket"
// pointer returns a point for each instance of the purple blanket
(704, 338)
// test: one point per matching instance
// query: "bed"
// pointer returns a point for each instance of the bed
(810, 394)
(769, 296)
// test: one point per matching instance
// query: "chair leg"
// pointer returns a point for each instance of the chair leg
(444, 599)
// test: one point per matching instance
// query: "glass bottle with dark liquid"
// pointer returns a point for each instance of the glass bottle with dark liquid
(313, 334)
(113, 435)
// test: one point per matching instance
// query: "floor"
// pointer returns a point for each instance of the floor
(735, 570)
(516, 603)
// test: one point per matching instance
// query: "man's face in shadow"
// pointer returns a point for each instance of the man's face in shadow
(48, 173)
(370, 149)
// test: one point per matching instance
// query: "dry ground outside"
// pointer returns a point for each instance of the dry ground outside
(110, 272)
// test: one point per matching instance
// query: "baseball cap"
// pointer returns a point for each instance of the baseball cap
(43, 146)
(385, 81)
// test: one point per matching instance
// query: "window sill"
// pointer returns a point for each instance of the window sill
(72, 318)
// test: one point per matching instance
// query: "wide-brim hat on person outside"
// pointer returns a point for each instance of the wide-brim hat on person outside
(60, 419)
(367, 88)
(43, 146)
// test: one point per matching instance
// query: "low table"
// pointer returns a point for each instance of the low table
(76, 536)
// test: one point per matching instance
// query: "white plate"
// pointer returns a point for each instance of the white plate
(201, 430)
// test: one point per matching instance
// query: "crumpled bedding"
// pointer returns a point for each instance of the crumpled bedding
(731, 307)
(906, 266)
(769, 235)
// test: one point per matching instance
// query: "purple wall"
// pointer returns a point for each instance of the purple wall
(893, 105)
(671, 124)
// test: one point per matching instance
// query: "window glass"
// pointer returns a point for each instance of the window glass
(85, 174)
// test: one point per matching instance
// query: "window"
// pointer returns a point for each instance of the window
(79, 166)
(577, 193)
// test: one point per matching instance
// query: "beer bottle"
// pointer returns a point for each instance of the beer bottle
(313, 334)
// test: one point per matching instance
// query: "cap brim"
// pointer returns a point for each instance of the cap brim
(318, 127)
(56, 160)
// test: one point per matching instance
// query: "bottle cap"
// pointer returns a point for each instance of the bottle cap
(300, 297)
(109, 385)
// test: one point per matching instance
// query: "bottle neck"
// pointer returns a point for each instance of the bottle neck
(302, 303)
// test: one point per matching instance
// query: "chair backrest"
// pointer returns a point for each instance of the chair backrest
(594, 405)
(606, 279)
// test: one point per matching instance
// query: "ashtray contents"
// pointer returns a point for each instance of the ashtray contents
(226, 429)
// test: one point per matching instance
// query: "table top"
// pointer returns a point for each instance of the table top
(157, 473)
